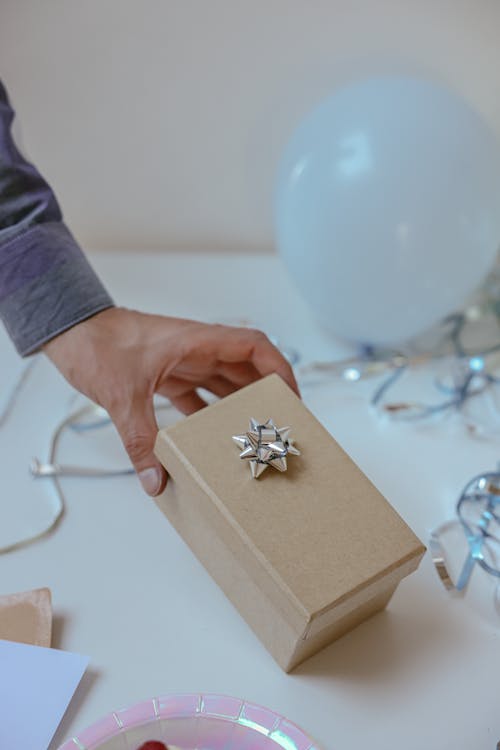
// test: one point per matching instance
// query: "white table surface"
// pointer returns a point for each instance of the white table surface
(129, 593)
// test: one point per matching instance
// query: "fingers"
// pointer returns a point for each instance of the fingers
(187, 403)
(190, 401)
(221, 386)
(239, 373)
(221, 359)
(268, 359)
(136, 424)
(245, 345)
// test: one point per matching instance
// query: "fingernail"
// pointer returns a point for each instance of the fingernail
(150, 480)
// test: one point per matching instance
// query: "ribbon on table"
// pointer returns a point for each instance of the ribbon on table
(85, 419)
(478, 513)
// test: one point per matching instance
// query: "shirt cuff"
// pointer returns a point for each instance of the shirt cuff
(46, 285)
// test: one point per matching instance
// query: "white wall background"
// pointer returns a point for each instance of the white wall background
(160, 122)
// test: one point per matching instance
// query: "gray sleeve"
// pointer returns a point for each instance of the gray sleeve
(46, 283)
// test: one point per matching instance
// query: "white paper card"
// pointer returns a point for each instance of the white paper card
(36, 686)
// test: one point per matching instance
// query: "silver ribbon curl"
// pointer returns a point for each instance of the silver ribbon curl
(85, 419)
(478, 513)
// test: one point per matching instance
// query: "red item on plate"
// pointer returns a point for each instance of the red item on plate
(153, 745)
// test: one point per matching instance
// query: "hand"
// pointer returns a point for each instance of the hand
(120, 358)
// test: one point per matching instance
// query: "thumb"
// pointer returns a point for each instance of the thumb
(138, 429)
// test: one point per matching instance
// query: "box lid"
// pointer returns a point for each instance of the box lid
(312, 536)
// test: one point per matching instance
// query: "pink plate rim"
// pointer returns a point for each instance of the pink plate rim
(184, 705)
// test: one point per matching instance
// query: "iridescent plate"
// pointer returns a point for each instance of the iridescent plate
(193, 722)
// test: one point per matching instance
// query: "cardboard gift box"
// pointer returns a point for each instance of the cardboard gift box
(304, 555)
(26, 617)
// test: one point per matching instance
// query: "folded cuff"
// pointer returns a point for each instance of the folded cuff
(46, 285)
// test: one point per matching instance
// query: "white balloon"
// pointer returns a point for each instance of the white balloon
(388, 207)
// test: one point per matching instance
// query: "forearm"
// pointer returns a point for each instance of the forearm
(46, 283)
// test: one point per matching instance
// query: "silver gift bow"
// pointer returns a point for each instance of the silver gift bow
(266, 445)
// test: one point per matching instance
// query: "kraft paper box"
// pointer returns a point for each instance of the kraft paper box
(304, 555)
(26, 617)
